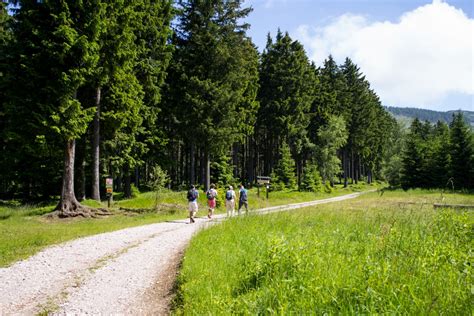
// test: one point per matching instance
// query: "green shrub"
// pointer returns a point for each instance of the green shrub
(328, 188)
(134, 191)
(311, 181)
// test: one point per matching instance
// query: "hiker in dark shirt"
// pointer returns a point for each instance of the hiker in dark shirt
(243, 199)
(193, 195)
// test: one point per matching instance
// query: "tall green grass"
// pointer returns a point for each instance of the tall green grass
(372, 255)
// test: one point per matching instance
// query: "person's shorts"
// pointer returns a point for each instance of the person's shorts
(211, 203)
(193, 206)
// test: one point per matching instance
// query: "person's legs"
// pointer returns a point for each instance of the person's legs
(192, 211)
(240, 207)
(228, 207)
(212, 206)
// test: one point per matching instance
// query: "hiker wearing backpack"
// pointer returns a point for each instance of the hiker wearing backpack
(192, 196)
(211, 200)
(243, 199)
(230, 201)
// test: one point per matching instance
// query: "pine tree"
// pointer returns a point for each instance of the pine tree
(441, 159)
(287, 89)
(5, 38)
(284, 172)
(461, 152)
(333, 136)
(55, 41)
(213, 79)
(311, 181)
(413, 157)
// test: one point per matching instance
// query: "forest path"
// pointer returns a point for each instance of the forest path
(130, 271)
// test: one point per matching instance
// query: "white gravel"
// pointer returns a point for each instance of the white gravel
(102, 274)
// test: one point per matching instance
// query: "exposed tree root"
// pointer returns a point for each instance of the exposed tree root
(71, 209)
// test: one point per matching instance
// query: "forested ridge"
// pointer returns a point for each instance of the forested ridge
(176, 90)
(430, 115)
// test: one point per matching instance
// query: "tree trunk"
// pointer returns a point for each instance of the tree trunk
(207, 170)
(235, 160)
(251, 162)
(356, 170)
(352, 167)
(299, 168)
(68, 205)
(118, 183)
(345, 167)
(81, 171)
(127, 192)
(192, 163)
(137, 177)
(95, 149)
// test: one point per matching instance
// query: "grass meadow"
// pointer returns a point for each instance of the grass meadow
(24, 230)
(378, 254)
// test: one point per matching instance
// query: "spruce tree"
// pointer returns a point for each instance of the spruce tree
(287, 90)
(284, 172)
(461, 152)
(5, 38)
(55, 41)
(311, 181)
(332, 137)
(441, 158)
(213, 79)
(413, 157)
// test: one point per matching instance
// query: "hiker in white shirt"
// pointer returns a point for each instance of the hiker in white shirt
(230, 201)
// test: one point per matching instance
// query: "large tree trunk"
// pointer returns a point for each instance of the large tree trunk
(81, 171)
(235, 160)
(127, 190)
(192, 170)
(137, 177)
(95, 149)
(68, 205)
(346, 166)
(207, 170)
(251, 162)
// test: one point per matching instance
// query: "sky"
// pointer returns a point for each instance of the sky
(414, 53)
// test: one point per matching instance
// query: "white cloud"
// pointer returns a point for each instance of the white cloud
(419, 60)
(266, 3)
(271, 3)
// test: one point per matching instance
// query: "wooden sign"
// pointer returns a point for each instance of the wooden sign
(263, 180)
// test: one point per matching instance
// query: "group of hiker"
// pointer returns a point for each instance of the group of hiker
(211, 195)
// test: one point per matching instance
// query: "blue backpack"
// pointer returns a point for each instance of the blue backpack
(243, 195)
(192, 195)
(228, 195)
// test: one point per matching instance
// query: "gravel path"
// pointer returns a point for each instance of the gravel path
(130, 271)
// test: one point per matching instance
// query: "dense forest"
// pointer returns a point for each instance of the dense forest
(176, 91)
(429, 115)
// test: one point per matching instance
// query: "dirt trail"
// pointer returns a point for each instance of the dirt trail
(131, 271)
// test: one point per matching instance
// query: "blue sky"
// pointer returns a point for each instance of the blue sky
(414, 53)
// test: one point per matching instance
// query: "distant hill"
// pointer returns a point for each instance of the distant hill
(407, 115)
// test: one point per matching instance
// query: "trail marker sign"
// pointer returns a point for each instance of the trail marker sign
(263, 180)
(109, 185)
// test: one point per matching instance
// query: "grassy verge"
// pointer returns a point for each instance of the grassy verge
(23, 231)
(376, 254)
